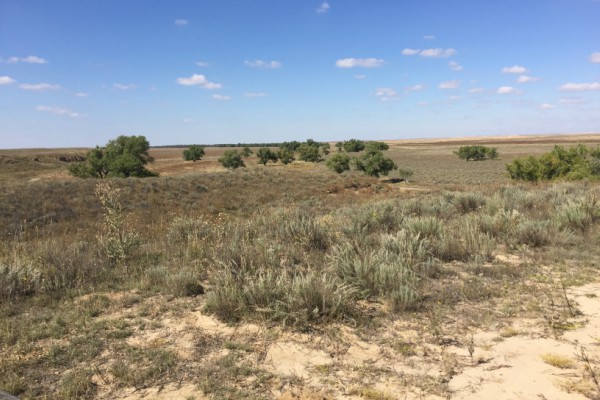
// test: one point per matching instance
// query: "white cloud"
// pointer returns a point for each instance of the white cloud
(359, 62)
(202, 63)
(323, 8)
(188, 120)
(507, 90)
(571, 100)
(255, 94)
(428, 37)
(410, 52)
(414, 88)
(515, 69)
(198, 80)
(123, 86)
(546, 106)
(6, 80)
(28, 59)
(59, 111)
(526, 79)
(476, 90)
(580, 87)
(449, 85)
(454, 66)
(455, 98)
(221, 97)
(438, 53)
(360, 76)
(40, 87)
(386, 94)
(595, 58)
(181, 22)
(263, 64)
(81, 94)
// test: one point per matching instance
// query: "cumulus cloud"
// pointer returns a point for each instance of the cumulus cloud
(571, 100)
(263, 64)
(28, 59)
(515, 69)
(81, 94)
(255, 94)
(386, 94)
(221, 97)
(454, 66)
(123, 86)
(507, 90)
(40, 87)
(431, 53)
(59, 111)
(410, 52)
(546, 106)
(202, 63)
(414, 88)
(476, 90)
(6, 80)
(323, 8)
(198, 80)
(181, 22)
(595, 58)
(580, 87)
(526, 79)
(359, 62)
(449, 85)
(428, 37)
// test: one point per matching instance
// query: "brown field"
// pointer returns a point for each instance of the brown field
(292, 282)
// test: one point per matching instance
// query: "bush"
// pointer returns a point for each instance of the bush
(125, 156)
(373, 163)
(246, 152)
(339, 162)
(374, 146)
(194, 153)
(477, 153)
(309, 152)
(353, 146)
(265, 155)
(232, 159)
(285, 155)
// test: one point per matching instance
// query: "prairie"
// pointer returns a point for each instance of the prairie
(294, 282)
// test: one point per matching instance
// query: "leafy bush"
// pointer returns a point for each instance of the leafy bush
(579, 162)
(125, 156)
(477, 153)
(265, 155)
(193, 153)
(373, 163)
(246, 152)
(339, 162)
(374, 146)
(309, 152)
(285, 155)
(232, 159)
(353, 146)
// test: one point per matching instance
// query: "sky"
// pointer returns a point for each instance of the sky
(77, 73)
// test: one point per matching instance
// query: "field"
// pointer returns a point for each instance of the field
(293, 282)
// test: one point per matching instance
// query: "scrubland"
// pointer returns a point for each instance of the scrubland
(294, 282)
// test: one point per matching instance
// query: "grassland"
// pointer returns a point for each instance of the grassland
(288, 281)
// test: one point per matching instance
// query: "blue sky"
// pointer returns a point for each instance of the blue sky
(79, 73)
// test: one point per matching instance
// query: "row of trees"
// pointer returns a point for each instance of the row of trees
(477, 153)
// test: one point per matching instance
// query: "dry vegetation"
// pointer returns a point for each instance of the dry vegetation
(294, 282)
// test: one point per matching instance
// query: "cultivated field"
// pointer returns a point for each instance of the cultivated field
(293, 282)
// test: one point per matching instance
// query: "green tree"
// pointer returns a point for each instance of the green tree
(285, 155)
(524, 169)
(374, 146)
(232, 159)
(354, 146)
(339, 146)
(193, 153)
(339, 162)
(246, 152)
(477, 153)
(265, 155)
(309, 152)
(373, 163)
(123, 157)
(325, 148)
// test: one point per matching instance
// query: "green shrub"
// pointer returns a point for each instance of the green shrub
(373, 163)
(477, 153)
(193, 153)
(232, 159)
(265, 155)
(353, 145)
(339, 162)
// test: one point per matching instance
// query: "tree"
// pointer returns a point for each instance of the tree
(246, 152)
(477, 153)
(339, 162)
(123, 157)
(265, 155)
(325, 147)
(373, 146)
(339, 146)
(373, 163)
(354, 146)
(194, 153)
(309, 152)
(232, 159)
(285, 155)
